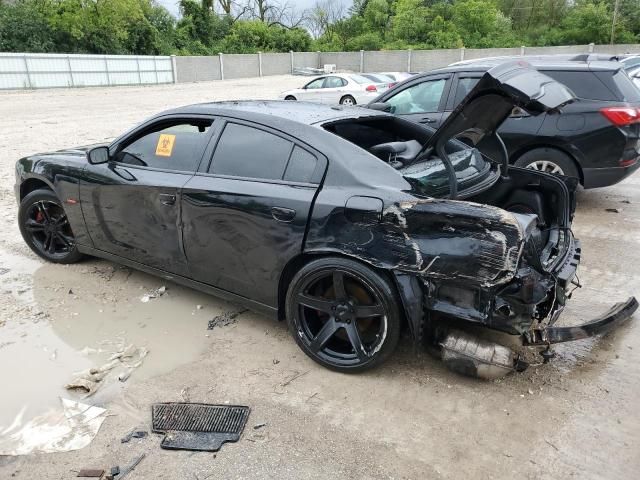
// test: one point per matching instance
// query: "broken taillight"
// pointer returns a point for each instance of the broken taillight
(621, 116)
(371, 88)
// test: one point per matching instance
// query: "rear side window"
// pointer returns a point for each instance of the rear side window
(176, 145)
(465, 84)
(334, 82)
(626, 87)
(584, 84)
(301, 167)
(249, 152)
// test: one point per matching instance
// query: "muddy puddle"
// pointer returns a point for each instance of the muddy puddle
(59, 320)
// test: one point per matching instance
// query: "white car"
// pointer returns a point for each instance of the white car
(342, 88)
(634, 74)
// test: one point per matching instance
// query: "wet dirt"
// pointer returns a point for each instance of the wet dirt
(574, 417)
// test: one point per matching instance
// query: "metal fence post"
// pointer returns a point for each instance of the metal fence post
(361, 61)
(292, 64)
(409, 60)
(259, 64)
(155, 68)
(319, 59)
(26, 69)
(70, 70)
(221, 66)
(174, 69)
(462, 54)
(138, 67)
(522, 50)
(106, 69)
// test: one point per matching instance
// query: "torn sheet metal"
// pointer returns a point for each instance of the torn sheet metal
(70, 427)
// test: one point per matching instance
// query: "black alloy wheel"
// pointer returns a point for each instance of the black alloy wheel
(45, 227)
(343, 314)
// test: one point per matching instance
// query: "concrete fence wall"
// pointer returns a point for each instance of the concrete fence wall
(18, 70)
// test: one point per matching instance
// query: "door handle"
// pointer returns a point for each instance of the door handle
(282, 214)
(428, 120)
(167, 199)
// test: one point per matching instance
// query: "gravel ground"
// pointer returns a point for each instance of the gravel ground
(575, 417)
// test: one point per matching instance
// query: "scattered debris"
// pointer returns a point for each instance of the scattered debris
(71, 427)
(198, 307)
(614, 210)
(70, 291)
(90, 473)
(198, 426)
(307, 71)
(90, 380)
(227, 318)
(294, 377)
(259, 426)
(4, 270)
(115, 471)
(628, 202)
(276, 361)
(154, 294)
(133, 434)
(551, 444)
(127, 470)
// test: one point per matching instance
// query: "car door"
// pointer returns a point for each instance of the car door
(422, 101)
(312, 91)
(333, 89)
(131, 204)
(245, 211)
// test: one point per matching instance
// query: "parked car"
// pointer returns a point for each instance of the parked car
(399, 76)
(345, 221)
(634, 75)
(595, 139)
(345, 89)
(629, 61)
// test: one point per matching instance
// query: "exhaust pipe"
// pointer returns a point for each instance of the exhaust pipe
(475, 357)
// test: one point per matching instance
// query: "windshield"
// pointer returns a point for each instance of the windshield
(430, 177)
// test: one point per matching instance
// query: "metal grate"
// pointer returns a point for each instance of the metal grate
(199, 417)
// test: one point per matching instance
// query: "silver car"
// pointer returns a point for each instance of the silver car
(342, 88)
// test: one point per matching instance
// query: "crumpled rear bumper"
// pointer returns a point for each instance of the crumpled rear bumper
(616, 315)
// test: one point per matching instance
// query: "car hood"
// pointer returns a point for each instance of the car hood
(491, 101)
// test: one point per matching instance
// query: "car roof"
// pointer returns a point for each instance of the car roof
(484, 64)
(306, 113)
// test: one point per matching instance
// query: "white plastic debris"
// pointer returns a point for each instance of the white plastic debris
(71, 427)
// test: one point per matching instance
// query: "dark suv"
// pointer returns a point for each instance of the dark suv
(596, 139)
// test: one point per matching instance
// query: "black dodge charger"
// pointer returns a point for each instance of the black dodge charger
(349, 223)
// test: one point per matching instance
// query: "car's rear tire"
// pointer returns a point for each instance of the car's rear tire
(347, 100)
(343, 314)
(45, 227)
(290, 97)
(549, 160)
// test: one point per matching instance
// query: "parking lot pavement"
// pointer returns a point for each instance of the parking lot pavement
(575, 417)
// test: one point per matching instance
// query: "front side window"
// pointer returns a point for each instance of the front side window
(317, 83)
(420, 98)
(174, 145)
(249, 152)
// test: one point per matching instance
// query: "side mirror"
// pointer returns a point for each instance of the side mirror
(382, 106)
(98, 155)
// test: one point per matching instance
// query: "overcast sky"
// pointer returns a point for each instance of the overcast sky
(172, 5)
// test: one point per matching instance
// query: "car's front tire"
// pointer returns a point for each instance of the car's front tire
(45, 227)
(343, 314)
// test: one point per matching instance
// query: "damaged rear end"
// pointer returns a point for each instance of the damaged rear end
(483, 253)
(506, 257)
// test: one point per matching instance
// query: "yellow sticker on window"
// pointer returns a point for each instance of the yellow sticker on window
(165, 145)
